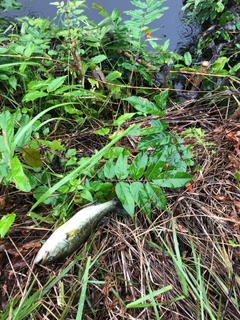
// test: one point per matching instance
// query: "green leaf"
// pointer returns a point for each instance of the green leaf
(162, 98)
(237, 174)
(18, 176)
(144, 105)
(109, 169)
(97, 59)
(138, 165)
(121, 166)
(141, 197)
(103, 12)
(55, 84)
(6, 222)
(124, 194)
(32, 157)
(173, 179)
(123, 118)
(114, 152)
(219, 64)
(187, 58)
(156, 195)
(155, 166)
(6, 140)
(29, 50)
(154, 140)
(102, 131)
(113, 75)
(31, 96)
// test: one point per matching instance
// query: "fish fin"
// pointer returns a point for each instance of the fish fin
(71, 233)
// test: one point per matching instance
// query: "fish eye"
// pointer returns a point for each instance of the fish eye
(50, 258)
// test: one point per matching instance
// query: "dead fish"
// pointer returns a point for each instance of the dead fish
(68, 237)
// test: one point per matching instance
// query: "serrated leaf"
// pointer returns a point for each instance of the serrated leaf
(154, 140)
(32, 157)
(173, 179)
(144, 105)
(109, 169)
(55, 84)
(18, 176)
(138, 165)
(156, 195)
(5, 223)
(124, 195)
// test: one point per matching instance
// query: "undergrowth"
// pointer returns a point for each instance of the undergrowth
(112, 81)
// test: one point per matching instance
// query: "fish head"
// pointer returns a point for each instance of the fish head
(52, 249)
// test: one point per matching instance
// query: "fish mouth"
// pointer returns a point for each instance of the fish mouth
(41, 257)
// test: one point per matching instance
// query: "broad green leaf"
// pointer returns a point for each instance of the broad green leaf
(13, 82)
(187, 58)
(29, 50)
(124, 194)
(173, 179)
(55, 84)
(141, 197)
(123, 118)
(219, 64)
(56, 145)
(102, 131)
(237, 174)
(109, 169)
(154, 140)
(113, 75)
(97, 59)
(6, 140)
(85, 194)
(25, 138)
(5, 223)
(114, 152)
(31, 96)
(138, 165)
(156, 195)
(144, 105)
(155, 166)
(161, 99)
(18, 176)
(32, 157)
(121, 166)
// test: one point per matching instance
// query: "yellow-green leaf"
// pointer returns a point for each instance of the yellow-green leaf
(32, 157)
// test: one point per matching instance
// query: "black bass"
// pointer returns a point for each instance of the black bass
(67, 238)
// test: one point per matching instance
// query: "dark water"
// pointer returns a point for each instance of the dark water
(172, 25)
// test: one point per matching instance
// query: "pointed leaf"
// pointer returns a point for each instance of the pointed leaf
(156, 195)
(141, 197)
(173, 179)
(18, 176)
(56, 83)
(109, 169)
(32, 157)
(125, 196)
(154, 140)
(121, 166)
(144, 105)
(5, 223)
(138, 165)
